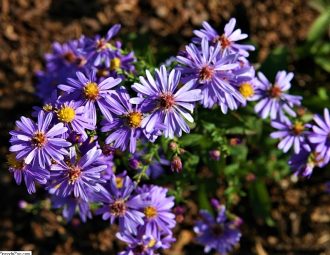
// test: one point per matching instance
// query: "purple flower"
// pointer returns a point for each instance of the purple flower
(219, 234)
(119, 64)
(157, 208)
(99, 49)
(321, 135)
(30, 174)
(274, 100)
(170, 105)
(305, 161)
(211, 71)
(74, 117)
(245, 81)
(39, 143)
(290, 134)
(125, 127)
(70, 206)
(119, 203)
(122, 62)
(145, 242)
(67, 57)
(227, 40)
(87, 92)
(77, 175)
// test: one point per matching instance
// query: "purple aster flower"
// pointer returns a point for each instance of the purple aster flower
(119, 203)
(99, 49)
(74, 117)
(122, 61)
(245, 81)
(125, 127)
(77, 175)
(39, 143)
(157, 208)
(211, 71)
(219, 234)
(305, 161)
(274, 101)
(30, 174)
(321, 135)
(87, 92)
(170, 105)
(291, 134)
(227, 40)
(70, 206)
(145, 242)
(67, 57)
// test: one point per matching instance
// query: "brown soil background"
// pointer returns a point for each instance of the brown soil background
(27, 29)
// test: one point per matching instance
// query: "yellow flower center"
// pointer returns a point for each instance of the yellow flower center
(13, 162)
(134, 119)
(66, 114)
(47, 107)
(119, 182)
(115, 64)
(91, 91)
(39, 139)
(150, 212)
(246, 90)
(298, 127)
(152, 243)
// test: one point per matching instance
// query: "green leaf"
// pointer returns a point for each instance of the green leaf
(191, 139)
(324, 62)
(260, 201)
(320, 26)
(203, 199)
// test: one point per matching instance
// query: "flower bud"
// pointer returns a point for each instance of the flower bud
(215, 203)
(215, 154)
(134, 163)
(176, 164)
(173, 146)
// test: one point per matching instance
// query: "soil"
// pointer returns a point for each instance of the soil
(301, 210)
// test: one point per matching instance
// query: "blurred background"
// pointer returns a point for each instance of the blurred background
(293, 35)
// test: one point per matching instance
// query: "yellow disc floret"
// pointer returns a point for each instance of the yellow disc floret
(39, 139)
(115, 64)
(91, 91)
(246, 90)
(298, 127)
(119, 182)
(66, 114)
(152, 243)
(13, 162)
(134, 119)
(150, 212)
(47, 107)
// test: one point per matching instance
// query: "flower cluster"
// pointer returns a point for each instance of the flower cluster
(96, 103)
